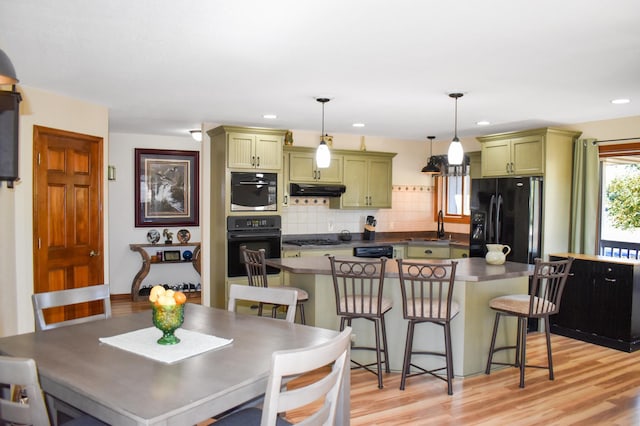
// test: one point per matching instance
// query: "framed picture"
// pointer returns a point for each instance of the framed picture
(166, 187)
(171, 255)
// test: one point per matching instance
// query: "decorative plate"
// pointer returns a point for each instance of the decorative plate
(153, 236)
(184, 236)
(187, 255)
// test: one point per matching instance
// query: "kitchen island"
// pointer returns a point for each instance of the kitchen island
(476, 284)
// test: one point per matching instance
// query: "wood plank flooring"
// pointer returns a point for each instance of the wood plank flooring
(593, 386)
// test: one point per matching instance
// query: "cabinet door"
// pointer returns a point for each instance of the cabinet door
(333, 173)
(459, 253)
(428, 252)
(575, 309)
(240, 150)
(527, 155)
(302, 168)
(496, 156)
(612, 298)
(355, 179)
(379, 186)
(268, 152)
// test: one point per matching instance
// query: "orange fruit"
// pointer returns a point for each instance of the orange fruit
(180, 297)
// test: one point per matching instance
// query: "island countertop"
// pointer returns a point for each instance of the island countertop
(474, 269)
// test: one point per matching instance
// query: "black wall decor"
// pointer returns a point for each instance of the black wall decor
(9, 121)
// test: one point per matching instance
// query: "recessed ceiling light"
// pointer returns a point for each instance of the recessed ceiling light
(358, 124)
(270, 116)
(620, 101)
(483, 123)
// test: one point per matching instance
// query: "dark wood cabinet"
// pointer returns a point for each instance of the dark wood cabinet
(601, 302)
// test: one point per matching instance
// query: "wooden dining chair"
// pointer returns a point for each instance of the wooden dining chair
(276, 296)
(547, 285)
(256, 267)
(24, 402)
(291, 363)
(358, 287)
(60, 298)
(427, 297)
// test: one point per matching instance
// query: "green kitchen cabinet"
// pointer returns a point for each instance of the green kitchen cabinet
(517, 156)
(254, 150)
(428, 251)
(368, 180)
(459, 253)
(303, 169)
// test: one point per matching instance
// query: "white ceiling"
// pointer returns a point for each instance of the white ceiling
(165, 66)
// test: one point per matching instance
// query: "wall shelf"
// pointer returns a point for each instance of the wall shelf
(146, 263)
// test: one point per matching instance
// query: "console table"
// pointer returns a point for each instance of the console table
(146, 264)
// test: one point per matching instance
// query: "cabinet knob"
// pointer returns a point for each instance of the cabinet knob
(428, 251)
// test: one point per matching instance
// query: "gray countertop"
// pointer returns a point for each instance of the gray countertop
(470, 269)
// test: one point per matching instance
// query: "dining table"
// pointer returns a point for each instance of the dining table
(80, 365)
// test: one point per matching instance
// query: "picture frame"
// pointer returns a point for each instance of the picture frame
(171, 255)
(166, 187)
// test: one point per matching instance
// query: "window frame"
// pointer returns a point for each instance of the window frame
(441, 199)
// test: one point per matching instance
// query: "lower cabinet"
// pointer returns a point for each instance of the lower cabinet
(428, 252)
(601, 303)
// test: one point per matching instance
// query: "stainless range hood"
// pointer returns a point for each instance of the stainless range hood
(315, 190)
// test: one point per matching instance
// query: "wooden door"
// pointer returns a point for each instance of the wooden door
(67, 216)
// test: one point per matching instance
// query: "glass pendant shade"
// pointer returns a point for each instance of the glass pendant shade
(7, 72)
(455, 153)
(323, 155)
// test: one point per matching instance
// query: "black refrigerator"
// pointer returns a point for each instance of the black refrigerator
(507, 211)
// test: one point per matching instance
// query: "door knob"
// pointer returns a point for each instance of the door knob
(93, 253)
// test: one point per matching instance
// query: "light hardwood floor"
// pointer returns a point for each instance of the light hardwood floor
(593, 386)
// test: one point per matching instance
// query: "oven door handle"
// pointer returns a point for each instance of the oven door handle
(252, 236)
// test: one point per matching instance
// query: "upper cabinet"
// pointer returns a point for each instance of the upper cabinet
(254, 149)
(303, 169)
(516, 156)
(367, 177)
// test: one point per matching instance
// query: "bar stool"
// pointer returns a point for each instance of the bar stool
(427, 297)
(358, 289)
(549, 279)
(255, 263)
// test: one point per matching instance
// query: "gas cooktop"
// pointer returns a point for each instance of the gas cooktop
(313, 242)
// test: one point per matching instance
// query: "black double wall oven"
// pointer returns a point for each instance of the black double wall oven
(254, 233)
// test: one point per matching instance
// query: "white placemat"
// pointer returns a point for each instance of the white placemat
(144, 342)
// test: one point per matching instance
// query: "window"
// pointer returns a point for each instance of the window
(452, 195)
(619, 205)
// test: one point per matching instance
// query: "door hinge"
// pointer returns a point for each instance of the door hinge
(38, 159)
(39, 243)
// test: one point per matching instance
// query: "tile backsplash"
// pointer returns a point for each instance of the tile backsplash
(412, 211)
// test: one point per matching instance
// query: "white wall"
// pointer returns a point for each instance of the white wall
(124, 262)
(46, 109)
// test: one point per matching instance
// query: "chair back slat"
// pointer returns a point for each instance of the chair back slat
(256, 267)
(327, 389)
(427, 289)
(358, 286)
(276, 296)
(547, 286)
(55, 299)
(21, 376)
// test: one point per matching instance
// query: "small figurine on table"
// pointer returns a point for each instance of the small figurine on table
(168, 235)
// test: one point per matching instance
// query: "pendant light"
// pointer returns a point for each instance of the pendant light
(431, 168)
(7, 72)
(323, 155)
(456, 153)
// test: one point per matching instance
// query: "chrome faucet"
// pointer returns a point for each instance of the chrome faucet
(440, 225)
